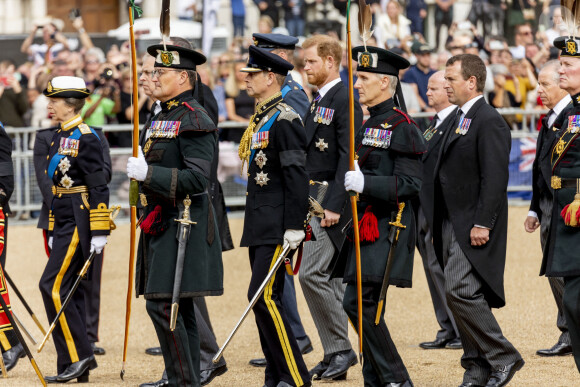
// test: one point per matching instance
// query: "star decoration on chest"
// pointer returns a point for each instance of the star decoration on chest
(261, 159)
(262, 179)
(321, 145)
(172, 104)
(66, 181)
(64, 165)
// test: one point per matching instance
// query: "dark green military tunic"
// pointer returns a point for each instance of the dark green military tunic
(178, 144)
(389, 150)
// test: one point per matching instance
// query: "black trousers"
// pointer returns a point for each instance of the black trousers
(92, 287)
(65, 262)
(382, 363)
(571, 301)
(180, 348)
(284, 360)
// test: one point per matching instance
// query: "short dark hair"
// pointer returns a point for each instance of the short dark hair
(76, 103)
(471, 66)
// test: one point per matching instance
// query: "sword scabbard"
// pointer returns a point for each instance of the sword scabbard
(173, 321)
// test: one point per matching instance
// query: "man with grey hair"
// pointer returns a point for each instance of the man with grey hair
(560, 103)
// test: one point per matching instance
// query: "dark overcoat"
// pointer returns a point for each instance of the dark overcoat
(327, 145)
(392, 174)
(471, 183)
(178, 144)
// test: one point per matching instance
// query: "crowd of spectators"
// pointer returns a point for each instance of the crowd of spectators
(513, 52)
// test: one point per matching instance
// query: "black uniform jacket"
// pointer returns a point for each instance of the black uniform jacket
(389, 148)
(277, 197)
(472, 176)
(178, 144)
(75, 161)
(561, 258)
(6, 170)
(41, 146)
(434, 140)
(542, 167)
(327, 144)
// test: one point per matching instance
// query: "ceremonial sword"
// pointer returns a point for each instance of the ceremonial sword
(182, 237)
(396, 228)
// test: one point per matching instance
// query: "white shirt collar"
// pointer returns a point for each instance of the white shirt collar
(561, 105)
(327, 87)
(442, 114)
(467, 105)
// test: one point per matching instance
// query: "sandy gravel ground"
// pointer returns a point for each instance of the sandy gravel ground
(528, 320)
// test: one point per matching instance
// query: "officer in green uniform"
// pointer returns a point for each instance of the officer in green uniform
(389, 148)
(561, 256)
(274, 147)
(177, 149)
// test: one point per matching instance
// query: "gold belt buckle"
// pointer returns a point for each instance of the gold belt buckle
(556, 182)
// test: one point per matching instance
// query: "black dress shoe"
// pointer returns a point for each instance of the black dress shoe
(261, 362)
(78, 370)
(436, 344)
(97, 350)
(51, 379)
(339, 364)
(503, 375)
(454, 344)
(208, 375)
(12, 355)
(318, 370)
(154, 351)
(560, 349)
(164, 381)
(406, 383)
(305, 345)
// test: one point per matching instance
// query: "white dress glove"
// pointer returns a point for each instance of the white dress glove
(50, 243)
(354, 180)
(137, 167)
(98, 243)
(294, 237)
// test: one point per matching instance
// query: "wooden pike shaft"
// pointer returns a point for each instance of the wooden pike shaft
(353, 197)
(134, 190)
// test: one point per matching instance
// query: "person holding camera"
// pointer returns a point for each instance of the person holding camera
(105, 101)
(13, 101)
(53, 42)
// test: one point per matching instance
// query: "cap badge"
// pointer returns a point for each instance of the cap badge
(367, 59)
(49, 87)
(166, 58)
(255, 42)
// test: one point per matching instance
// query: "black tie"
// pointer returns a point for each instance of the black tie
(434, 122)
(546, 119)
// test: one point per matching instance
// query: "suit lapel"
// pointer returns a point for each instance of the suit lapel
(442, 129)
(310, 125)
(454, 135)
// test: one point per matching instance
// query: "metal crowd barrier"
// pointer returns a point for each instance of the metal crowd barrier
(26, 199)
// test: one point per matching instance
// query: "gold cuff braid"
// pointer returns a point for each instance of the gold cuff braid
(99, 218)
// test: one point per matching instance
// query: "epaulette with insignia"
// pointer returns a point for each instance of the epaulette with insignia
(287, 113)
(84, 128)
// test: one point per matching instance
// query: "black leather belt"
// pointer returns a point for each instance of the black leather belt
(561, 182)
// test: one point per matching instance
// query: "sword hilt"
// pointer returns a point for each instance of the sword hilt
(185, 219)
(397, 223)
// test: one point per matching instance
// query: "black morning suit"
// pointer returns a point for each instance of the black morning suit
(561, 256)
(542, 201)
(92, 285)
(424, 208)
(276, 200)
(6, 189)
(392, 174)
(471, 177)
(75, 162)
(327, 140)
